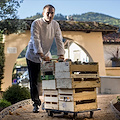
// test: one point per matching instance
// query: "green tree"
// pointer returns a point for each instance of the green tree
(8, 8)
(8, 15)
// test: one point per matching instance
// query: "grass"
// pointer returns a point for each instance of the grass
(21, 62)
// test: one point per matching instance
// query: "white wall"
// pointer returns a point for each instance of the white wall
(75, 52)
(110, 84)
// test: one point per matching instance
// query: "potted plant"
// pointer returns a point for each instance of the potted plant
(115, 59)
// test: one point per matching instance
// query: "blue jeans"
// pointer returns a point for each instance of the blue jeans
(34, 76)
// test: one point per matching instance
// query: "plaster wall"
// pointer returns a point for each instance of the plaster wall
(113, 71)
(110, 85)
(15, 43)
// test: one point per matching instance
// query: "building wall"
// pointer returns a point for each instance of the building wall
(113, 71)
(15, 43)
(75, 53)
(110, 85)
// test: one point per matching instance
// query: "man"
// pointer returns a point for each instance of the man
(43, 31)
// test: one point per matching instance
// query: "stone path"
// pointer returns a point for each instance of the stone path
(106, 113)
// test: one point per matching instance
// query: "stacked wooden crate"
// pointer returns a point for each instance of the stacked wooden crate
(75, 86)
(49, 87)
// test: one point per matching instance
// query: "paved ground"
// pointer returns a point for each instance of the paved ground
(106, 113)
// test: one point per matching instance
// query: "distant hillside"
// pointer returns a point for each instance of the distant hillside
(90, 16)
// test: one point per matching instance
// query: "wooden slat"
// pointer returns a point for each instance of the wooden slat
(62, 75)
(51, 106)
(64, 83)
(93, 68)
(83, 107)
(62, 67)
(51, 99)
(85, 84)
(48, 84)
(84, 96)
(65, 91)
(66, 106)
(50, 92)
(84, 76)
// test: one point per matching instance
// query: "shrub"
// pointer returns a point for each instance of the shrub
(16, 93)
(118, 99)
(4, 103)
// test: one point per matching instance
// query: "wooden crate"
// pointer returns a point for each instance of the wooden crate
(49, 84)
(69, 67)
(77, 82)
(70, 76)
(69, 70)
(51, 99)
(81, 99)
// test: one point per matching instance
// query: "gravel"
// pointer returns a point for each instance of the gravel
(106, 113)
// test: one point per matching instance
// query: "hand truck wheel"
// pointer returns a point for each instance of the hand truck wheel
(91, 114)
(65, 113)
(50, 113)
(74, 115)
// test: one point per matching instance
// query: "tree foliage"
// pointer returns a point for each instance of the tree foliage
(8, 15)
(98, 17)
(9, 26)
(16, 93)
(8, 8)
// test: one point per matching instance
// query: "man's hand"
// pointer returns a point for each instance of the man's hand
(45, 58)
(61, 57)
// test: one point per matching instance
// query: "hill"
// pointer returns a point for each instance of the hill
(90, 16)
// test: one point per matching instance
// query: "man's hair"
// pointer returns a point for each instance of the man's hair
(50, 6)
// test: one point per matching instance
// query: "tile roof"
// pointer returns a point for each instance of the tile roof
(111, 38)
(83, 26)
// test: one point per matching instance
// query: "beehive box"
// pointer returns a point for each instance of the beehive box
(74, 87)
(77, 83)
(51, 99)
(69, 70)
(76, 100)
(69, 75)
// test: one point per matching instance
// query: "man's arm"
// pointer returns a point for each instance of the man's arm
(35, 33)
(59, 43)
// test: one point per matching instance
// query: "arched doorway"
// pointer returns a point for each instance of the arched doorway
(76, 52)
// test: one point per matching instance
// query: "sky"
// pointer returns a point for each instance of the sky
(69, 7)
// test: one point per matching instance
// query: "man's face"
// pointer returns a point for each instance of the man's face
(48, 14)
